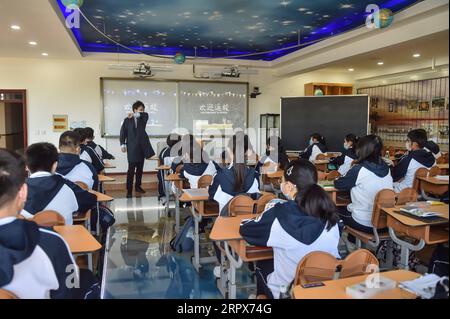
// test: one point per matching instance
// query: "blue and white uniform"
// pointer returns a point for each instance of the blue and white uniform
(313, 150)
(344, 161)
(101, 152)
(89, 155)
(275, 158)
(193, 172)
(35, 263)
(292, 234)
(432, 147)
(54, 192)
(222, 188)
(364, 181)
(76, 170)
(404, 172)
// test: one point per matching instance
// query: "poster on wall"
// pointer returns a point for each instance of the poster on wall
(424, 106)
(438, 102)
(60, 123)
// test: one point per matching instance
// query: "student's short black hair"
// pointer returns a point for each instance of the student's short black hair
(89, 132)
(351, 138)
(12, 175)
(69, 139)
(137, 105)
(41, 157)
(419, 136)
(369, 148)
(172, 139)
(82, 133)
(319, 138)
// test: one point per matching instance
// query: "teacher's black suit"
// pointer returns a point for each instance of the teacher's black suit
(134, 136)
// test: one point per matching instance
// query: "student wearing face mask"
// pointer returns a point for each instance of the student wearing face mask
(316, 146)
(416, 157)
(275, 154)
(344, 161)
(307, 222)
(136, 143)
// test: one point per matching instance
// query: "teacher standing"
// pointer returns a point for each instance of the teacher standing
(135, 141)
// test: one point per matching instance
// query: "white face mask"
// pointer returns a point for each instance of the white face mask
(311, 142)
(346, 146)
(408, 146)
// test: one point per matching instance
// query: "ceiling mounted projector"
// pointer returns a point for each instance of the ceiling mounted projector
(142, 70)
(232, 71)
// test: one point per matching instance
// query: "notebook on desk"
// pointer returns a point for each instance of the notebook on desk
(430, 219)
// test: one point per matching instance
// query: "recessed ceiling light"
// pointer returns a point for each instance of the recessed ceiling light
(351, 69)
(416, 55)
(44, 54)
(15, 27)
(380, 63)
(32, 43)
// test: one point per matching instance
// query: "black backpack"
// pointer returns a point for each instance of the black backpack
(184, 240)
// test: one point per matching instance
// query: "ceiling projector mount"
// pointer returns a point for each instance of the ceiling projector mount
(232, 71)
(142, 70)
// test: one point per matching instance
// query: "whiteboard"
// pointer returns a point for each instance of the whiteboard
(160, 99)
(190, 105)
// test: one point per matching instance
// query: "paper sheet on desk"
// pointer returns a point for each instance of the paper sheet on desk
(442, 177)
(423, 286)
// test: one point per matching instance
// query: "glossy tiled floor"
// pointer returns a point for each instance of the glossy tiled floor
(140, 263)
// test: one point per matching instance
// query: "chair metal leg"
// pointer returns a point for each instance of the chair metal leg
(405, 248)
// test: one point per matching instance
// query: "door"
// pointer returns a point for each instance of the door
(13, 123)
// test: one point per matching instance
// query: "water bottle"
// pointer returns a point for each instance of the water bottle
(387, 155)
(284, 292)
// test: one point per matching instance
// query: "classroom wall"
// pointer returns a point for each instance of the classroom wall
(72, 87)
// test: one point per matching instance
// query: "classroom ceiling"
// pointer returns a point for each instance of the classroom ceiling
(218, 28)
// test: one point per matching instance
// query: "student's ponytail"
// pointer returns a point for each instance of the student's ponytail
(311, 198)
(238, 145)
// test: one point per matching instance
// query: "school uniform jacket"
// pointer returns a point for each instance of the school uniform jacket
(313, 150)
(76, 170)
(222, 188)
(35, 263)
(54, 192)
(344, 161)
(193, 171)
(277, 158)
(134, 136)
(89, 154)
(101, 152)
(403, 173)
(292, 234)
(433, 148)
(364, 181)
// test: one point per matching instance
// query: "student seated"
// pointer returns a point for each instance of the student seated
(344, 162)
(307, 222)
(47, 191)
(237, 178)
(364, 180)
(101, 152)
(70, 164)
(415, 158)
(316, 146)
(88, 153)
(196, 162)
(166, 157)
(35, 263)
(275, 154)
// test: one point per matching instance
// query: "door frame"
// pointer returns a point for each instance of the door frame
(24, 112)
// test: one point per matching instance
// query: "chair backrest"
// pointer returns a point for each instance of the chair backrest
(407, 195)
(262, 202)
(443, 159)
(421, 172)
(5, 294)
(317, 266)
(321, 157)
(331, 176)
(82, 185)
(357, 263)
(241, 205)
(49, 218)
(204, 181)
(434, 171)
(178, 169)
(384, 198)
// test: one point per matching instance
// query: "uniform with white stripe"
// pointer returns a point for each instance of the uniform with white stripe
(89, 155)
(76, 170)
(313, 150)
(193, 171)
(344, 161)
(404, 172)
(292, 234)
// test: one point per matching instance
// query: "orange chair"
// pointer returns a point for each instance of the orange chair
(49, 218)
(241, 205)
(407, 195)
(262, 202)
(204, 181)
(384, 198)
(358, 263)
(5, 294)
(421, 172)
(331, 176)
(434, 171)
(82, 185)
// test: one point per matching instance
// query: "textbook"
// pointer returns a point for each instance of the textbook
(368, 288)
(419, 211)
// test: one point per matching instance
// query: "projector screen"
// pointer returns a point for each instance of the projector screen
(331, 116)
(193, 105)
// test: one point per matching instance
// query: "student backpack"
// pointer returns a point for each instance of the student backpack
(184, 240)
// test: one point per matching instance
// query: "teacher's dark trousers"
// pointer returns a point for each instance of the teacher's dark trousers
(134, 168)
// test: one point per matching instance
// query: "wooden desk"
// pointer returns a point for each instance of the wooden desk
(80, 241)
(433, 185)
(322, 165)
(226, 230)
(178, 183)
(444, 168)
(83, 219)
(163, 168)
(108, 165)
(101, 198)
(104, 178)
(426, 233)
(335, 289)
(199, 203)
